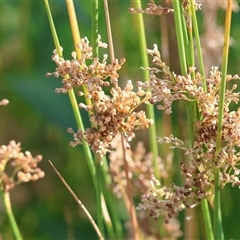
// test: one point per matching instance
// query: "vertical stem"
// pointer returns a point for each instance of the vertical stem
(218, 231)
(110, 203)
(98, 195)
(150, 108)
(12, 221)
(106, 179)
(131, 209)
(95, 28)
(204, 203)
(53, 30)
(76, 36)
(109, 31)
(74, 25)
(98, 161)
(198, 44)
(179, 27)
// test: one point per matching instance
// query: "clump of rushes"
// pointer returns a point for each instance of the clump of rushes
(199, 175)
(109, 113)
(114, 118)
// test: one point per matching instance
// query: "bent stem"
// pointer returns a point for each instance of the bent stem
(12, 221)
(79, 203)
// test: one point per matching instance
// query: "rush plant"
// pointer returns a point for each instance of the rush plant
(141, 177)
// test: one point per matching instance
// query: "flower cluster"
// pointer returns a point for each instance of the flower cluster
(24, 166)
(76, 73)
(109, 113)
(199, 175)
(152, 9)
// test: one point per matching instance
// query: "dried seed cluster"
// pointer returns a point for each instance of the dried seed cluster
(24, 166)
(152, 9)
(140, 166)
(109, 113)
(199, 176)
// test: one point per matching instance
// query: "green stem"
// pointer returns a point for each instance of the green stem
(179, 33)
(218, 231)
(106, 217)
(118, 234)
(207, 219)
(98, 166)
(98, 195)
(150, 108)
(198, 44)
(204, 203)
(114, 220)
(12, 221)
(95, 28)
(109, 31)
(53, 29)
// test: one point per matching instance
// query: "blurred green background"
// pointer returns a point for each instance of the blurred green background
(38, 118)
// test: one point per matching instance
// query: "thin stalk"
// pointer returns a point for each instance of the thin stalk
(103, 169)
(107, 218)
(98, 161)
(53, 29)
(218, 230)
(190, 106)
(152, 134)
(79, 203)
(207, 219)
(12, 221)
(111, 205)
(109, 31)
(191, 47)
(74, 26)
(198, 44)
(204, 203)
(98, 195)
(186, 41)
(179, 33)
(131, 209)
(76, 36)
(95, 28)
